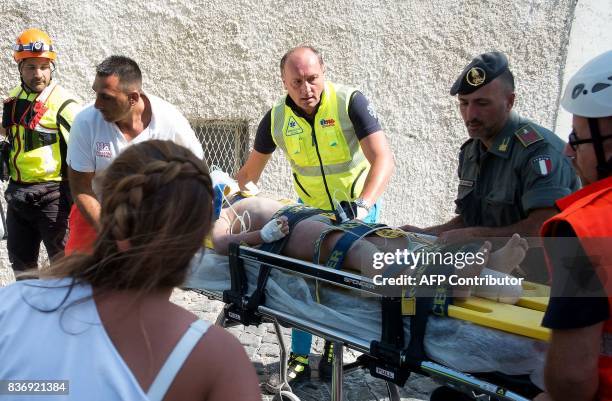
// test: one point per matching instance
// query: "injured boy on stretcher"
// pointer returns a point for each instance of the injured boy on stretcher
(256, 220)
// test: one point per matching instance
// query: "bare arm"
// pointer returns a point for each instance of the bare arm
(222, 235)
(376, 149)
(222, 238)
(571, 364)
(84, 196)
(252, 169)
(528, 227)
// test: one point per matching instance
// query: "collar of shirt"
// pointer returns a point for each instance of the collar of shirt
(501, 145)
(289, 102)
(503, 141)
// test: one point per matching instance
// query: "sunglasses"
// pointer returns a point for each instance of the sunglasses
(573, 140)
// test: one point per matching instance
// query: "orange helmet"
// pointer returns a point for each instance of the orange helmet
(33, 43)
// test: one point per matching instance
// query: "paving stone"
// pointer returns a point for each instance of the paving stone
(267, 349)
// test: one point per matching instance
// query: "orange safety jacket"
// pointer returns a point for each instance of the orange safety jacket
(589, 212)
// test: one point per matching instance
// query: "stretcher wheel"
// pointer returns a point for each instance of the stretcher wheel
(285, 396)
(393, 391)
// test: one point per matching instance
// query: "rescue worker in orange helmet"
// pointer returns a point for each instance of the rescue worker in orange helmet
(578, 244)
(36, 120)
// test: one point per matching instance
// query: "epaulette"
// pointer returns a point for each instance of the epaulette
(466, 143)
(528, 135)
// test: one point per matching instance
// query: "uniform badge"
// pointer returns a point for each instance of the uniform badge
(475, 76)
(542, 165)
(293, 128)
(528, 135)
(466, 183)
(503, 147)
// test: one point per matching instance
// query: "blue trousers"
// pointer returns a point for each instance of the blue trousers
(300, 340)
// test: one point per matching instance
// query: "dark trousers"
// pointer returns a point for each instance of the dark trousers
(35, 213)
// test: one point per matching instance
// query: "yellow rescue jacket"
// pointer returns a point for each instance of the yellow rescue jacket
(327, 162)
(37, 127)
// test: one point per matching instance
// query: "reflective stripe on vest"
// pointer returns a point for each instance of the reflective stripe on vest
(36, 154)
(589, 212)
(342, 166)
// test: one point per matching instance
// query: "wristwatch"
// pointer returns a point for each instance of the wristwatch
(360, 202)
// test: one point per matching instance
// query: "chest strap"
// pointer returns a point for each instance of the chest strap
(353, 231)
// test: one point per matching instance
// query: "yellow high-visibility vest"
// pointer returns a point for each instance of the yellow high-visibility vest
(38, 154)
(327, 162)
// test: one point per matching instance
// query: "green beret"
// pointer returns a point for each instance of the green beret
(479, 72)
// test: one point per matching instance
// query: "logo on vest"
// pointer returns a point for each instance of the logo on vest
(327, 123)
(293, 128)
(103, 149)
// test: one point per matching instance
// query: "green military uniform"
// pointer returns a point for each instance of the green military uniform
(524, 169)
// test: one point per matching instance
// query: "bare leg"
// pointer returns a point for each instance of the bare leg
(359, 259)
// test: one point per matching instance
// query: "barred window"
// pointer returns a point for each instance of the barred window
(225, 142)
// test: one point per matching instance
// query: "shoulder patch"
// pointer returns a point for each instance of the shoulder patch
(466, 143)
(528, 135)
(542, 165)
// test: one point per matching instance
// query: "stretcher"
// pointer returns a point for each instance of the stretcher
(486, 350)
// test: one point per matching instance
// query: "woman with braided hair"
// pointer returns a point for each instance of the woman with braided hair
(103, 322)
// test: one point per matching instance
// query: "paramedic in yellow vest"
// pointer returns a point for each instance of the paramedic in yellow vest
(337, 150)
(36, 123)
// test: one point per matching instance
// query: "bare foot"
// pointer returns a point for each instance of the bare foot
(508, 258)
(472, 270)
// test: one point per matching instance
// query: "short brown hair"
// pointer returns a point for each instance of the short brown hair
(126, 69)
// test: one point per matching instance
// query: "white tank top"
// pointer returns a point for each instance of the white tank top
(72, 344)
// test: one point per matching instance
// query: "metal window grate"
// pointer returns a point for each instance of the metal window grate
(225, 142)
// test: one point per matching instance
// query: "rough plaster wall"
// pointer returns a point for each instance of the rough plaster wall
(591, 35)
(218, 59)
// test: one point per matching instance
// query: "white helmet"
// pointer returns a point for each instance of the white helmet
(589, 92)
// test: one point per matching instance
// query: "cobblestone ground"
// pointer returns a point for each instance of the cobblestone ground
(261, 345)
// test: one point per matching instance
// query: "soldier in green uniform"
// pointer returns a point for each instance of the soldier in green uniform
(511, 170)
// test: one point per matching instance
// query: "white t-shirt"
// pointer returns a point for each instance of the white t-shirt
(72, 345)
(95, 143)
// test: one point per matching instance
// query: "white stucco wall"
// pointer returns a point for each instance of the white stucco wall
(218, 60)
(591, 35)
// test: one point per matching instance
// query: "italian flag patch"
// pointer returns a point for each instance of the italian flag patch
(542, 165)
